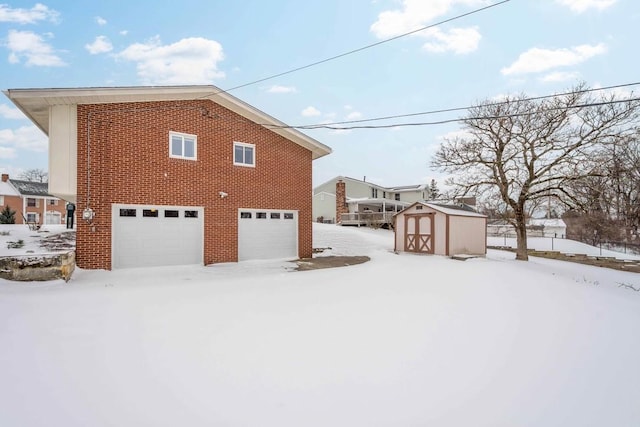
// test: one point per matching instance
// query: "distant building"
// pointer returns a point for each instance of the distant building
(31, 201)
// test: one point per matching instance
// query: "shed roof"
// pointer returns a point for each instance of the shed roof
(455, 210)
(35, 104)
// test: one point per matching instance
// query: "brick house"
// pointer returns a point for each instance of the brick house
(175, 175)
(9, 196)
(31, 200)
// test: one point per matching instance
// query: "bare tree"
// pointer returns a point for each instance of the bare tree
(35, 175)
(524, 150)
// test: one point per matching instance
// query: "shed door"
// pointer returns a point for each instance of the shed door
(418, 233)
(146, 235)
(267, 234)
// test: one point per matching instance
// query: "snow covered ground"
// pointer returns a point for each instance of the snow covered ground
(402, 340)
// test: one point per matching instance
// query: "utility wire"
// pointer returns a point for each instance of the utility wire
(313, 64)
(440, 122)
(445, 110)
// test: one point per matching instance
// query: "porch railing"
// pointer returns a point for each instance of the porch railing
(367, 218)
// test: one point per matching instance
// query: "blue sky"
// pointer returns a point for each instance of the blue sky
(522, 46)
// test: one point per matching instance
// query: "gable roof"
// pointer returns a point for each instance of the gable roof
(35, 104)
(399, 189)
(6, 189)
(30, 188)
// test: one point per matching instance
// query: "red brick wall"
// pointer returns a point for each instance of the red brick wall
(129, 163)
(341, 200)
(15, 203)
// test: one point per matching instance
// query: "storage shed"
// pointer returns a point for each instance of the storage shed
(429, 228)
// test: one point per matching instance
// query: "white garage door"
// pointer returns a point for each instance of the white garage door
(146, 235)
(53, 217)
(267, 234)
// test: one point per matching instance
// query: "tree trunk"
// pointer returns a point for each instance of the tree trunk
(521, 236)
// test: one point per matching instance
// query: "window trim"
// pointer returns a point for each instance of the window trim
(183, 135)
(244, 145)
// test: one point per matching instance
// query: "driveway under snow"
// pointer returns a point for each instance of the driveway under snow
(401, 340)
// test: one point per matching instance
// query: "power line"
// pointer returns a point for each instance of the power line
(440, 122)
(445, 110)
(360, 49)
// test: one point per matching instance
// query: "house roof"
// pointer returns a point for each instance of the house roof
(399, 189)
(447, 209)
(35, 104)
(30, 188)
(6, 189)
(548, 222)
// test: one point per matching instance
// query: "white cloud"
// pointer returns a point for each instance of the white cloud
(191, 60)
(100, 45)
(282, 89)
(580, 6)
(7, 152)
(30, 46)
(311, 111)
(456, 40)
(415, 14)
(348, 107)
(7, 112)
(39, 12)
(560, 76)
(354, 115)
(536, 60)
(124, 32)
(101, 21)
(24, 138)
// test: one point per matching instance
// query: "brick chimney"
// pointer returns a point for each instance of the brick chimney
(341, 200)
(5, 177)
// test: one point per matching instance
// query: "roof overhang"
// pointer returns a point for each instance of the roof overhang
(35, 104)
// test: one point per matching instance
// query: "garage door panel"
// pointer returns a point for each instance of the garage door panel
(141, 241)
(271, 237)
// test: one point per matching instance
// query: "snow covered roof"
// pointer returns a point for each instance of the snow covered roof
(406, 188)
(397, 189)
(548, 222)
(448, 209)
(29, 188)
(7, 189)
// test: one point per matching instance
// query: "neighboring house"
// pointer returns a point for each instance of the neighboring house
(536, 227)
(551, 227)
(362, 197)
(175, 175)
(429, 228)
(32, 201)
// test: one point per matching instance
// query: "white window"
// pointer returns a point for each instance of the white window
(53, 202)
(32, 217)
(244, 154)
(32, 203)
(183, 146)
